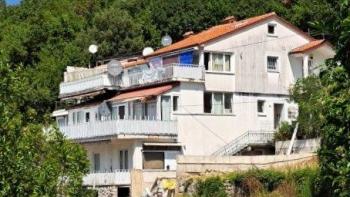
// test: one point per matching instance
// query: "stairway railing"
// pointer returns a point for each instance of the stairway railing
(244, 140)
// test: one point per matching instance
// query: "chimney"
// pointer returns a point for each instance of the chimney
(229, 19)
(188, 34)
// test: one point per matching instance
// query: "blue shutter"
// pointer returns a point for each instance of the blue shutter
(186, 58)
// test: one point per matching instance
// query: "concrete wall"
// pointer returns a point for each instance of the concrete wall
(299, 146)
(199, 164)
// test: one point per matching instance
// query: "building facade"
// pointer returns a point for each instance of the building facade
(216, 92)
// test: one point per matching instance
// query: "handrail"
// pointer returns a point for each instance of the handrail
(242, 141)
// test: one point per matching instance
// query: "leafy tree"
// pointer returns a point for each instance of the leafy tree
(308, 93)
(33, 162)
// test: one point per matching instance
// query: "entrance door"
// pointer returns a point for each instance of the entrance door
(166, 107)
(277, 108)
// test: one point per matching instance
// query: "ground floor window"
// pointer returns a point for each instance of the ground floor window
(153, 160)
(261, 106)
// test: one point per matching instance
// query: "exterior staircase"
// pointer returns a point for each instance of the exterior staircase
(246, 139)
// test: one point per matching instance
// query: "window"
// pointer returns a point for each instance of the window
(153, 160)
(62, 121)
(220, 62)
(217, 103)
(272, 63)
(165, 107)
(96, 162)
(271, 28)
(74, 117)
(80, 117)
(121, 112)
(207, 102)
(175, 103)
(87, 117)
(228, 103)
(123, 159)
(261, 106)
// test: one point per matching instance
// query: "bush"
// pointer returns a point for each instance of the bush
(211, 187)
(270, 179)
(285, 132)
(302, 182)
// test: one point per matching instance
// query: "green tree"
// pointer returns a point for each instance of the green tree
(308, 93)
(33, 162)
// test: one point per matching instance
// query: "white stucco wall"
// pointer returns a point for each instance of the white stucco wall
(250, 48)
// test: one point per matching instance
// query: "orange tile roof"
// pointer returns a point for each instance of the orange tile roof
(218, 31)
(309, 46)
(143, 93)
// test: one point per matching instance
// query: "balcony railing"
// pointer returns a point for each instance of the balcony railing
(94, 82)
(88, 80)
(118, 177)
(108, 128)
(167, 72)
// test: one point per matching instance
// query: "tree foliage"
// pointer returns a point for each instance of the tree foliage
(33, 162)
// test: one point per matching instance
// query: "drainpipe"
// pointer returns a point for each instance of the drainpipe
(293, 139)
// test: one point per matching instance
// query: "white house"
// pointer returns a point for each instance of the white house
(216, 92)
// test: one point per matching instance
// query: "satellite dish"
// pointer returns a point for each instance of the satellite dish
(166, 40)
(146, 51)
(114, 68)
(93, 48)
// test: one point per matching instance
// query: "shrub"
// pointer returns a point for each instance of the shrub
(302, 182)
(270, 179)
(285, 132)
(211, 187)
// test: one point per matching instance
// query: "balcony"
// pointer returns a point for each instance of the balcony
(118, 177)
(169, 72)
(109, 128)
(88, 84)
(82, 82)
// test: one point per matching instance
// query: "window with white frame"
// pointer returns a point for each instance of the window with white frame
(272, 63)
(261, 106)
(220, 62)
(217, 102)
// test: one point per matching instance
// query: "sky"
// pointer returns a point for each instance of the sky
(12, 2)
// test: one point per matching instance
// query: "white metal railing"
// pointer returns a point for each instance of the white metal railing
(166, 72)
(120, 127)
(246, 139)
(92, 82)
(117, 177)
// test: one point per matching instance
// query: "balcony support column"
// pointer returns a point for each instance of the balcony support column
(137, 155)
